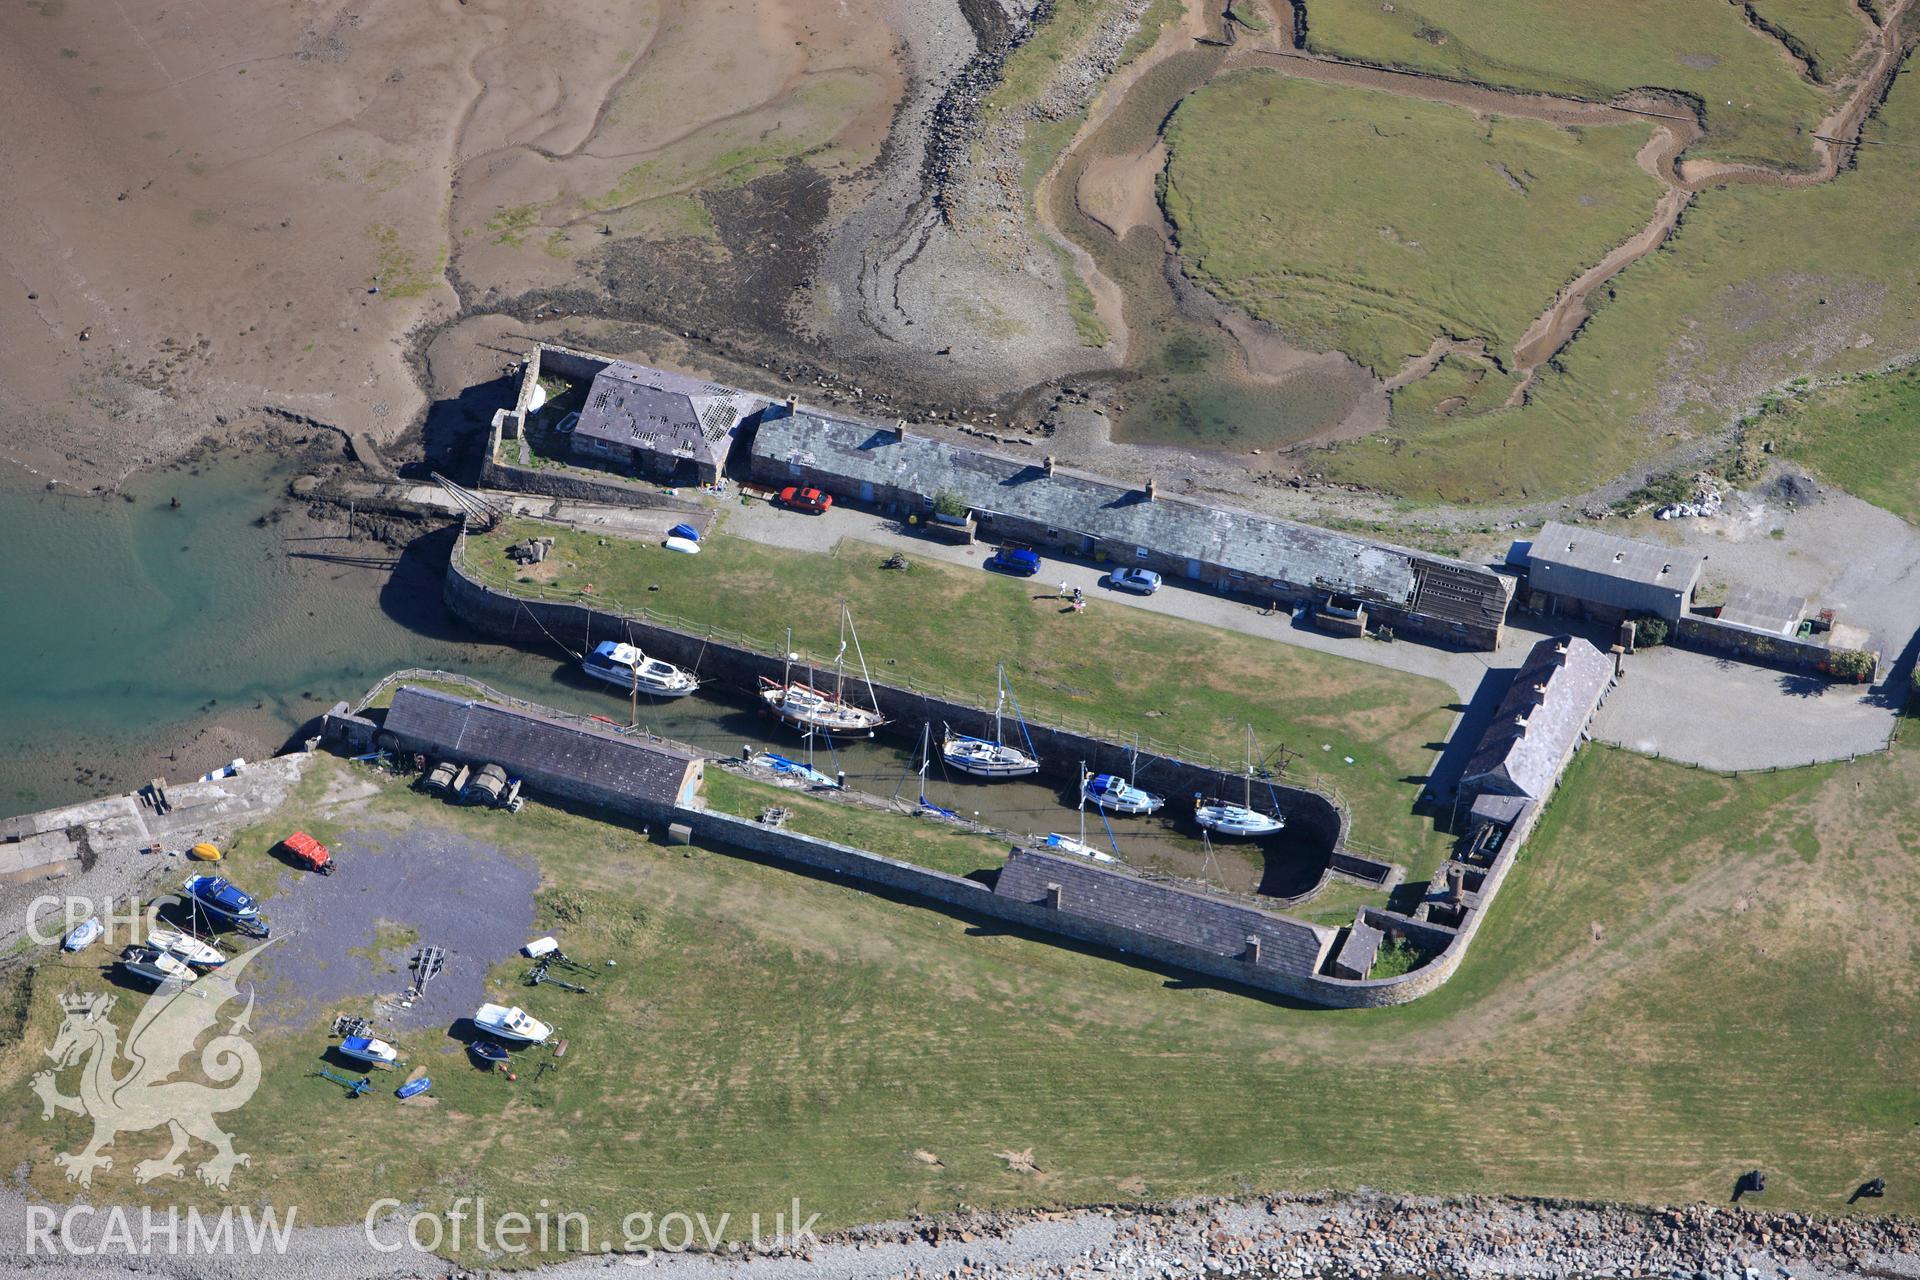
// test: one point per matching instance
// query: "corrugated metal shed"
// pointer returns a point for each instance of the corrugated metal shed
(1541, 719)
(542, 749)
(1238, 541)
(1175, 915)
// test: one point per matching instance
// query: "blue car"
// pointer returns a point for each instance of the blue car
(1018, 561)
(1142, 582)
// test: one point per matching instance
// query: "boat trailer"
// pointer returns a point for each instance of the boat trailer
(540, 973)
(354, 1088)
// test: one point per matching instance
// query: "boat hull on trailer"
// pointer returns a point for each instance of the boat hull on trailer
(984, 759)
(1236, 821)
(628, 668)
(1117, 795)
(377, 1053)
(224, 900)
(814, 710)
(793, 769)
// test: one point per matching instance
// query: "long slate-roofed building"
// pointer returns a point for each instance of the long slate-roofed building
(552, 755)
(1179, 917)
(1045, 506)
(660, 424)
(1541, 720)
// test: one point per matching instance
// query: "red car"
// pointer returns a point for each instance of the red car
(811, 501)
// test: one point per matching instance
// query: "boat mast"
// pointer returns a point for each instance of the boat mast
(1083, 803)
(786, 667)
(873, 699)
(1249, 774)
(1000, 674)
(840, 658)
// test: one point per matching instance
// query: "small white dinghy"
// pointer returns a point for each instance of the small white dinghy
(685, 546)
(153, 966)
(515, 1024)
(187, 948)
(376, 1053)
(83, 935)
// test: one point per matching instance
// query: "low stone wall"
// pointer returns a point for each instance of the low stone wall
(1750, 644)
(727, 832)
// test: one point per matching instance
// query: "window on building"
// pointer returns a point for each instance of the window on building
(1139, 553)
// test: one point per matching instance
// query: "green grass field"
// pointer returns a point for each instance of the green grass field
(1371, 224)
(1760, 284)
(1124, 669)
(1859, 435)
(1687, 976)
(1757, 104)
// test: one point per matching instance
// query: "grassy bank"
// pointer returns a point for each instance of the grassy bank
(1760, 284)
(1451, 225)
(1124, 669)
(1687, 976)
(1757, 105)
(1859, 436)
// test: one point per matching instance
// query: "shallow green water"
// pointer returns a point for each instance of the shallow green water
(129, 626)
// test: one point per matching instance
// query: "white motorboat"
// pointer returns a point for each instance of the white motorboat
(187, 948)
(154, 966)
(815, 710)
(793, 769)
(1237, 821)
(515, 1025)
(1117, 795)
(990, 757)
(628, 667)
(366, 1049)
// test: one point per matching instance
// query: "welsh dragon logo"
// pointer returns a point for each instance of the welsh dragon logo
(146, 1095)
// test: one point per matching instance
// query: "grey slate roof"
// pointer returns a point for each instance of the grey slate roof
(1503, 810)
(1236, 540)
(1555, 691)
(1608, 554)
(1175, 915)
(536, 747)
(662, 412)
(1764, 610)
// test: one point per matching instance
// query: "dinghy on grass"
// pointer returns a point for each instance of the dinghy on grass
(83, 935)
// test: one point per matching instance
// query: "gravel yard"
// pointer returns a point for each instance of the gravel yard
(343, 941)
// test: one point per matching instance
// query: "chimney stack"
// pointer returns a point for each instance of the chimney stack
(1520, 721)
(1456, 884)
(1046, 465)
(900, 430)
(1252, 954)
(792, 405)
(1151, 487)
(1053, 897)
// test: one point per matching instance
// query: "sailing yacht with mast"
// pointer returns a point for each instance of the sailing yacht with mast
(991, 758)
(811, 709)
(1054, 842)
(1243, 821)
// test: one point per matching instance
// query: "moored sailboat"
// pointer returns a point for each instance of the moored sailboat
(811, 709)
(1237, 821)
(991, 757)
